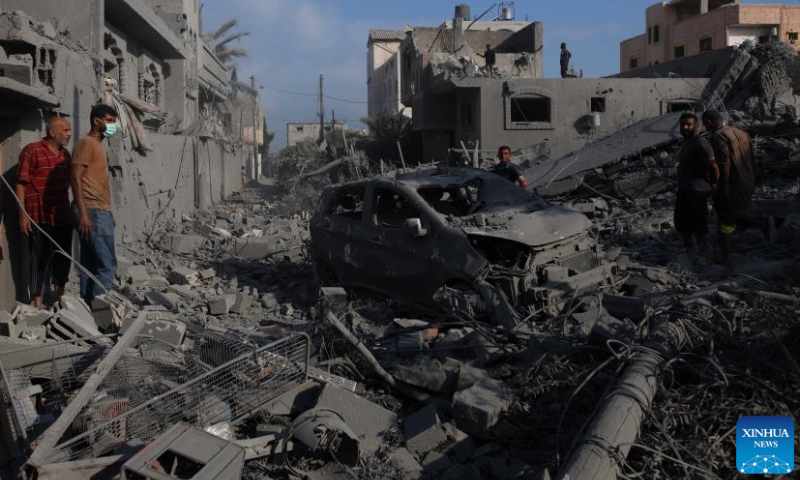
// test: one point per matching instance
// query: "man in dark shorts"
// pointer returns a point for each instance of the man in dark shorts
(734, 155)
(508, 170)
(43, 189)
(697, 179)
(490, 58)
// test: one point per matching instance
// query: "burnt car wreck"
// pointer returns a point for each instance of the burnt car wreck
(459, 239)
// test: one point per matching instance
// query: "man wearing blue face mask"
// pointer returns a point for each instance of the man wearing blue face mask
(92, 207)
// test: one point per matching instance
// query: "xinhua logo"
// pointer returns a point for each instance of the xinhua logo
(765, 445)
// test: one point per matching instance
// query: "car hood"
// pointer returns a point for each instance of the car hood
(535, 229)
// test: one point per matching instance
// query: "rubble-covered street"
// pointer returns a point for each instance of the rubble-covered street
(380, 305)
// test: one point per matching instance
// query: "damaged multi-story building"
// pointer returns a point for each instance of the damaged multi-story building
(684, 28)
(455, 101)
(148, 59)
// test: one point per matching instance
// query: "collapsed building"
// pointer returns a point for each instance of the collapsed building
(223, 351)
(456, 105)
(148, 60)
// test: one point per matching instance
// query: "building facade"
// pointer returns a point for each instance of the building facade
(143, 55)
(383, 72)
(683, 28)
(309, 131)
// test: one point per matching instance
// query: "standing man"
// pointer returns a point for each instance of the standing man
(734, 156)
(508, 170)
(566, 56)
(92, 192)
(697, 178)
(490, 57)
(43, 189)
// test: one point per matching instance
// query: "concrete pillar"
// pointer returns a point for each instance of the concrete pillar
(538, 49)
(703, 6)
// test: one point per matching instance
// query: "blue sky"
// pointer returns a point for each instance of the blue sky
(293, 41)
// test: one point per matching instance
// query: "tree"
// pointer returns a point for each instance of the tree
(385, 130)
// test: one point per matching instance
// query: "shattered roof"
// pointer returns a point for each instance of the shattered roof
(378, 35)
(648, 133)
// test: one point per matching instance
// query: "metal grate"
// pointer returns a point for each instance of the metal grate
(220, 381)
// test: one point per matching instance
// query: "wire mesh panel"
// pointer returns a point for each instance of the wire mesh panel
(37, 384)
(143, 396)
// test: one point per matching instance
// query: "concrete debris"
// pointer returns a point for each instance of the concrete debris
(477, 409)
(423, 431)
(291, 330)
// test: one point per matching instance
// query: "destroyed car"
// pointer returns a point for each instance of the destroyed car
(453, 237)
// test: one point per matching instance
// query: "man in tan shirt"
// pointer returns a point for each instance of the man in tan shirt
(92, 207)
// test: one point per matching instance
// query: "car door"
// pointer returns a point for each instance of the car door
(401, 260)
(341, 236)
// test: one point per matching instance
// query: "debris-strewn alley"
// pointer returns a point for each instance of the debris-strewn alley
(500, 283)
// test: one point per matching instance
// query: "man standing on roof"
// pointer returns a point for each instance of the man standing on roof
(734, 155)
(92, 192)
(508, 170)
(43, 189)
(566, 56)
(490, 57)
(697, 179)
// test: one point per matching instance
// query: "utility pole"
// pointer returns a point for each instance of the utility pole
(255, 136)
(321, 110)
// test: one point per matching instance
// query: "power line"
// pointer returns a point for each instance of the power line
(316, 95)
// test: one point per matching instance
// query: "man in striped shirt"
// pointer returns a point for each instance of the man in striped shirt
(43, 189)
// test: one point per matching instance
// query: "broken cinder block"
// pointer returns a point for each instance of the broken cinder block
(477, 409)
(423, 431)
(171, 332)
(183, 276)
(221, 304)
(137, 274)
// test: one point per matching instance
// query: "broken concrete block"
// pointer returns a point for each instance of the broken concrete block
(124, 265)
(403, 459)
(137, 275)
(34, 319)
(167, 331)
(424, 373)
(469, 375)
(484, 349)
(207, 273)
(184, 291)
(366, 419)
(7, 326)
(242, 303)
(168, 300)
(158, 282)
(463, 444)
(333, 299)
(477, 409)
(287, 310)
(221, 304)
(257, 248)
(73, 320)
(268, 300)
(184, 276)
(109, 310)
(184, 244)
(36, 332)
(423, 431)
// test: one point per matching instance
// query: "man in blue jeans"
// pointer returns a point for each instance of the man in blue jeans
(92, 192)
